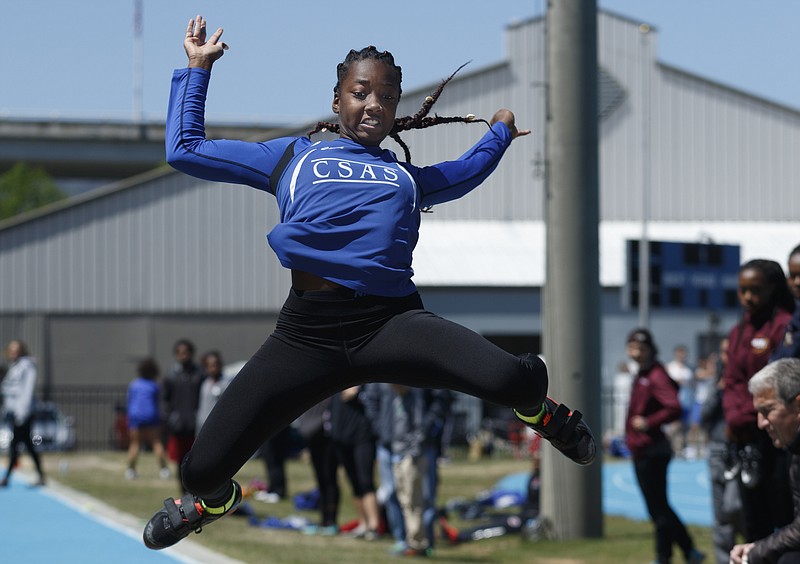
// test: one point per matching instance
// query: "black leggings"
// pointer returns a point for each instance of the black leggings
(22, 435)
(358, 462)
(326, 341)
(326, 465)
(651, 473)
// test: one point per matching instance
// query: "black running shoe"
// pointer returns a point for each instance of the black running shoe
(180, 517)
(566, 431)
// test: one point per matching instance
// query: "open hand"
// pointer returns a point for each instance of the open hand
(201, 52)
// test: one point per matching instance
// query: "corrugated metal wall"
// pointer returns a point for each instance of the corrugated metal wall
(717, 154)
(170, 244)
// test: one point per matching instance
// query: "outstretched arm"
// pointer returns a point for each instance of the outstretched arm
(447, 181)
(507, 117)
(202, 53)
(187, 148)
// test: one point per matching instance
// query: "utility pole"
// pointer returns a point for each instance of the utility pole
(571, 494)
(644, 241)
(138, 16)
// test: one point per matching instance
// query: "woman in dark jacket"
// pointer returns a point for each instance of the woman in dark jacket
(764, 482)
(653, 403)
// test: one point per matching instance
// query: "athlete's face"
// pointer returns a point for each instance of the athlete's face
(794, 275)
(754, 291)
(367, 102)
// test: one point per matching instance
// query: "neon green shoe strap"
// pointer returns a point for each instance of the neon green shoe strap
(224, 508)
(532, 418)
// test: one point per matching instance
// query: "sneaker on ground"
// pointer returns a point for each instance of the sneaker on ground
(180, 517)
(418, 552)
(164, 473)
(398, 548)
(322, 530)
(130, 474)
(267, 497)
(566, 431)
(357, 532)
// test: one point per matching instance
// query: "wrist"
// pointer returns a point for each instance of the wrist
(200, 64)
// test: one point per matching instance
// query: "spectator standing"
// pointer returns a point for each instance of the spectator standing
(215, 381)
(790, 346)
(705, 378)
(768, 305)
(727, 520)
(355, 448)
(653, 403)
(19, 388)
(274, 453)
(181, 399)
(378, 399)
(144, 417)
(314, 426)
(776, 398)
(437, 412)
(682, 374)
(410, 465)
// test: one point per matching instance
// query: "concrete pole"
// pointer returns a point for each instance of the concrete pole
(571, 494)
(644, 241)
(138, 62)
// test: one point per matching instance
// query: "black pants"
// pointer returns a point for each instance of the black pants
(651, 473)
(326, 464)
(22, 435)
(275, 451)
(326, 341)
(358, 462)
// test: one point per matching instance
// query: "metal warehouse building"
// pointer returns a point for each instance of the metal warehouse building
(119, 273)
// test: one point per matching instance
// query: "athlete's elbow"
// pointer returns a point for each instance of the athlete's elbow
(178, 157)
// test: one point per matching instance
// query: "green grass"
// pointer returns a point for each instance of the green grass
(101, 476)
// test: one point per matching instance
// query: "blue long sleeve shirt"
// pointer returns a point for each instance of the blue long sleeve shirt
(349, 213)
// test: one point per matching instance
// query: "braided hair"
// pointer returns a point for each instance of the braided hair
(420, 120)
(773, 273)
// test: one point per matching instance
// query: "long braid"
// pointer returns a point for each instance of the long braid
(324, 126)
(420, 120)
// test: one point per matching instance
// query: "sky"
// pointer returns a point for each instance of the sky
(76, 60)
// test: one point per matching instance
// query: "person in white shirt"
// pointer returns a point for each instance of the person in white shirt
(684, 377)
(18, 389)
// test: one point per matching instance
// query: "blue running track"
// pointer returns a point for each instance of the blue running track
(54, 524)
(688, 490)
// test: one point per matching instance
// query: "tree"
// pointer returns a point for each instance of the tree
(24, 188)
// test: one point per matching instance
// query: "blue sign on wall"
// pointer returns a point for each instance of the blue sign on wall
(685, 275)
